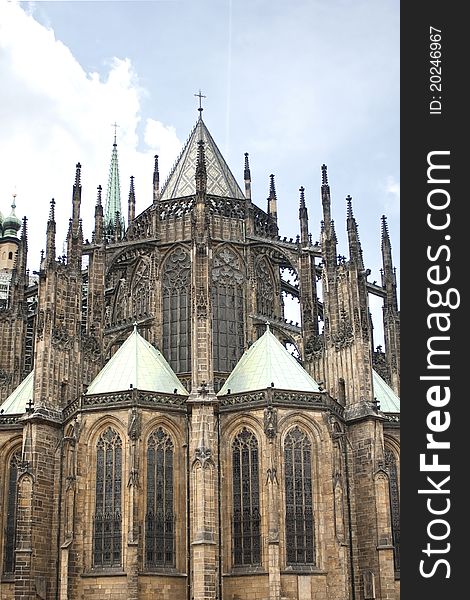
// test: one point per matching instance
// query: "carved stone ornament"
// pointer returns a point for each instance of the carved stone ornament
(61, 338)
(91, 347)
(134, 426)
(5, 378)
(201, 304)
(203, 455)
(344, 336)
(313, 346)
(270, 422)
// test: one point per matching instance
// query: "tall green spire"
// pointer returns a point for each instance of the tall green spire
(113, 195)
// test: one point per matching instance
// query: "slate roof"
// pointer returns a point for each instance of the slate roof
(182, 179)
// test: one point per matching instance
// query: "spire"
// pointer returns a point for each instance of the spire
(113, 195)
(131, 203)
(328, 234)
(388, 272)
(75, 234)
(23, 251)
(51, 231)
(355, 249)
(201, 172)
(247, 177)
(156, 181)
(325, 196)
(98, 233)
(77, 197)
(303, 217)
(272, 199)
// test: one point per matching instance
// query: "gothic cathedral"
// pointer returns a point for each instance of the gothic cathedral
(166, 432)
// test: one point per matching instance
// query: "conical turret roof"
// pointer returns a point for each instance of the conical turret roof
(389, 402)
(182, 179)
(139, 365)
(16, 402)
(268, 364)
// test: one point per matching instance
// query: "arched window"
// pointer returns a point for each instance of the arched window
(246, 513)
(159, 519)
(107, 534)
(300, 539)
(11, 506)
(391, 465)
(228, 310)
(176, 280)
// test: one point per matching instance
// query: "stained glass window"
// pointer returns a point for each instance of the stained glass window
(176, 280)
(391, 464)
(159, 518)
(300, 542)
(10, 525)
(246, 513)
(107, 534)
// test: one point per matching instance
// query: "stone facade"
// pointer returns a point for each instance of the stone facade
(199, 275)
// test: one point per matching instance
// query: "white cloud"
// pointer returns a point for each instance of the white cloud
(53, 114)
(392, 197)
(164, 142)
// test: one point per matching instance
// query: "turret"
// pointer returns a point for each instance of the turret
(50, 236)
(355, 249)
(156, 181)
(247, 177)
(98, 234)
(131, 203)
(391, 315)
(303, 218)
(75, 234)
(272, 199)
(328, 234)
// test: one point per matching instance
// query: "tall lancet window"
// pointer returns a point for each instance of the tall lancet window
(176, 280)
(300, 542)
(159, 519)
(391, 464)
(228, 310)
(11, 514)
(246, 513)
(107, 531)
(264, 289)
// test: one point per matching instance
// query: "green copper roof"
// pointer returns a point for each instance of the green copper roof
(16, 402)
(388, 400)
(113, 194)
(138, 364)
(11, 224)
(267, 362)
(182, 179)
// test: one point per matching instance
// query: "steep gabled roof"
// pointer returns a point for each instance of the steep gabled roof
(138, 364)
(388, 400)
(267, 362)
(16, 402)
(220, 181)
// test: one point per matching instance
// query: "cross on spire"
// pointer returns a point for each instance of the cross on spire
(115, 125)
(200, 96)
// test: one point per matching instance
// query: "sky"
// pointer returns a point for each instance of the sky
(295, 84)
